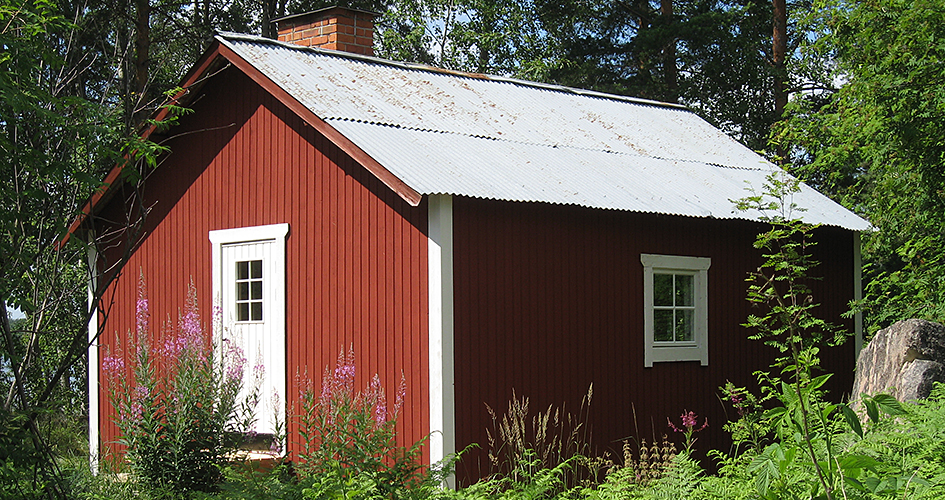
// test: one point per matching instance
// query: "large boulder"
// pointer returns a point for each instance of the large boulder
(902, 361)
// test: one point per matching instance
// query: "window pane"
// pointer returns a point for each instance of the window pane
(256, 290)
(242, 291)
(684, 295)
(663, 325)
(256, 269)
(684, 325)
(662, 289)
(257, 311)
(242, 312)
(242, 270)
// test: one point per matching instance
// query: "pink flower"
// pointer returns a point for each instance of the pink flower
(141, 308)
(689, 421)
(114, 366)
(380, 405)
(235, 361)
(188, 323)
(401, 394)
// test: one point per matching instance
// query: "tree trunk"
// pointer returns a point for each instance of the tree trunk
(271, 9)
(670, 73)
(779, 55)
(142, 57)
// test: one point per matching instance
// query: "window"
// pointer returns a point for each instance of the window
(675, 308)
(249, 290)
(249, 287)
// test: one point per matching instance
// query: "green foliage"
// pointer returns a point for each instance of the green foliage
(781, 283)
(530, 480)
(348, 442)
(749, 429)
(876, 144)
(180, 412)
(497, 37)
(801, 424)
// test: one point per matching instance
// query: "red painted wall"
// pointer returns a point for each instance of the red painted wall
(549, 299)
(356, 252)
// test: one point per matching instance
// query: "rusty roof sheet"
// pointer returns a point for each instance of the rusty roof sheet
(444, 132)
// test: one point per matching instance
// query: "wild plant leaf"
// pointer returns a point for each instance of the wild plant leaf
(817, 382)
(855, 484)
(851, 462)
(765, 469)
(826, 411)
(852, 419)
(871, 409)
(872, 483)
(889, 405)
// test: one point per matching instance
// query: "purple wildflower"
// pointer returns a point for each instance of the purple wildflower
(380, 405)
(189, 322)
(141, 308)
(235, 361)
(401, 394)
(114, 366)
(689, 422)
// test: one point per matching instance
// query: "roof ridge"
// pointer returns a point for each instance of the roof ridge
(224, 35)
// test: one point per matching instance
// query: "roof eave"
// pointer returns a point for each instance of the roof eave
(194, 79)
(212, 59)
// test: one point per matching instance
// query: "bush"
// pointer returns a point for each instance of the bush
(349, 448)
(180, 414)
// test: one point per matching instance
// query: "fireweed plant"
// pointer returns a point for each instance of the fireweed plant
(180, 413)
(748, 429)
(690, 426)
(348, 439)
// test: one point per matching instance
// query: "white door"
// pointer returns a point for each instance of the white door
(249, 279)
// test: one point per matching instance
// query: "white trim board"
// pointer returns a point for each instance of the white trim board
(93, 384)
(440, 275)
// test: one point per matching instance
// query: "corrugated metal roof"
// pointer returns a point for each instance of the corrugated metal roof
(447, 133)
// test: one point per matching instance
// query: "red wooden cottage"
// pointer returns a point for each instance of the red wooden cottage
(477, 234)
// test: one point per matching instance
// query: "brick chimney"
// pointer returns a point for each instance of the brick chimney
(336, 28)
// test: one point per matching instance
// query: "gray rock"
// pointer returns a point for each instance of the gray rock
(902, 360)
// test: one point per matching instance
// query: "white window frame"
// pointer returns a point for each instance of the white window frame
(698, 348)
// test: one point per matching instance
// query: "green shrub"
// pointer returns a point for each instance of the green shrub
(181, 413)
(348, 442)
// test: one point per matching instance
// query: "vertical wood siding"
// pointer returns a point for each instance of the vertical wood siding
(355, 255)
(549, 299)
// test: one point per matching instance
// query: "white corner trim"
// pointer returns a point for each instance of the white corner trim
(858, 296)
(442, 391)
(93, 388)
(698, 350)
